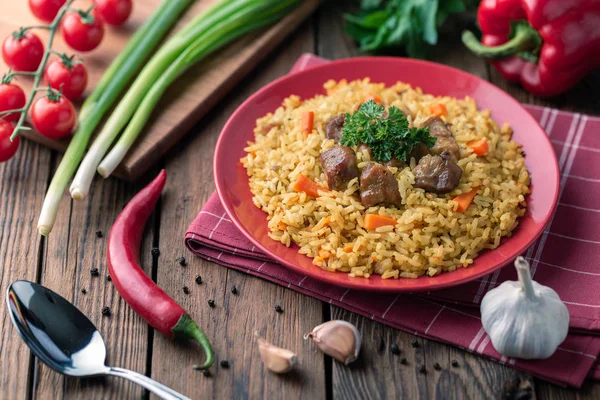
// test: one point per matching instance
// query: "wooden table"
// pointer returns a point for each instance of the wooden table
(63, 262)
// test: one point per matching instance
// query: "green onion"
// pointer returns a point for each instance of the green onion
(244, 21)
(118, 75)
(152, 72)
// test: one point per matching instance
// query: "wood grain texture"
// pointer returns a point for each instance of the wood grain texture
(72, 251)
(64, 261)
(232, 322)
(190, 98)
(23, 182)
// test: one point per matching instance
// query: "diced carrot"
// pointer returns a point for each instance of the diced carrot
(374, 221)
(374, 97)
(303, 184)
(282, 225)
(348, 248)
(465, 199)
(480, 147)
(324, 254)
(374, 258)
(438, 109)
(253, 154)
(308, 120)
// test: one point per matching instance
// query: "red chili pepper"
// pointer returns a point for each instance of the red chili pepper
(546, 45)
(139, 291)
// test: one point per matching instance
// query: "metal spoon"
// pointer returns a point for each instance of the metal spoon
(64, 338)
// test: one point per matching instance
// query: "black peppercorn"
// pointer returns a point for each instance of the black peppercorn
(454, 363)
(422, 369)
(437, 366)
(94, 272)
(224, 364)
(106, 312)
(99, 234)
(211, 303)
(181, 261)
(108, 278)
(234, 290)
(186, 290)
(278, 308)
(414, 343)
(155, 252)
(206, 373)
(403, 361)
(83, 291)
(198, 279)
(395, 349)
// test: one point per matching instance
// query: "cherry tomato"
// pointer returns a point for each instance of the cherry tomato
(12, 97)
(82, 31)
(7, 148)
(53, 117)
(46, 10)
(68, 76)
(114, 12)
(23, 51)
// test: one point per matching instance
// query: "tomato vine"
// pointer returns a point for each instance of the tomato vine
(39, 73)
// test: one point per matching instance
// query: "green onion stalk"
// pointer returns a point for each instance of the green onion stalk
(117, 77)
(230, 22)
(159, 62)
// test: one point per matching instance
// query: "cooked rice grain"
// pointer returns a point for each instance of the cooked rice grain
(430, 237)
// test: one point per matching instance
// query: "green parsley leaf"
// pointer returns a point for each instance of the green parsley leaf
(387, 134)
(382, 25)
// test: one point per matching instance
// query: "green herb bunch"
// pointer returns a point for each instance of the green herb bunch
(389, 137)
(412, 24)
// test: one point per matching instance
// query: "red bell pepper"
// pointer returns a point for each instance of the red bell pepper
(546, 45)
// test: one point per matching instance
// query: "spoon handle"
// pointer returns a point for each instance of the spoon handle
(157, 388)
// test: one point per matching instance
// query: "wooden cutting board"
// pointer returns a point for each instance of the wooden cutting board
(191, 96)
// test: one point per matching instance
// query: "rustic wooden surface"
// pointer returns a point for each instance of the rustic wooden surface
(194, 94)
(63, 263)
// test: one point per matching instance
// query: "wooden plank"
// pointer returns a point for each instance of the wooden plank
(72, 250)
(231, 324)
(23, 183)
(190, 98)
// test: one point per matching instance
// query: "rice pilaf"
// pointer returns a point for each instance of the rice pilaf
(430, 236)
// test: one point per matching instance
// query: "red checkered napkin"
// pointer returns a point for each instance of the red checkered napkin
(565, 258)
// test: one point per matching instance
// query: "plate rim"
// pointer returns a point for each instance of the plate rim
(359, 283)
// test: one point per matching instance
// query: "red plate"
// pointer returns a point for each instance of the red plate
(232, 181)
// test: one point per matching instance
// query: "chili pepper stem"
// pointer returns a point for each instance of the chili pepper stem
(524, 39)
(186, 328)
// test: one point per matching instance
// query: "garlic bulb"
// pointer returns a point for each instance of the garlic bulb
(338, 339)
(275, 358)
(524, 319)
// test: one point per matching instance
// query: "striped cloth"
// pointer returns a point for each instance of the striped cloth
(565, 258)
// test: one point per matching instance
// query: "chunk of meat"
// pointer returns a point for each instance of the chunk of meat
(339, 164)
(437, 173)
(334, 126)
(378, 185)
(445, 140)
(420, 151)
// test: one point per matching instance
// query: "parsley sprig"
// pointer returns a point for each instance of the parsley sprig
(388, 137)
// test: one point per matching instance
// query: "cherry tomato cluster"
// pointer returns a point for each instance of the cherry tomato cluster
(53, 115)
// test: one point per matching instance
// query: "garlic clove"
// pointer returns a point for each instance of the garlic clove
(338, 339)
(276, 359)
